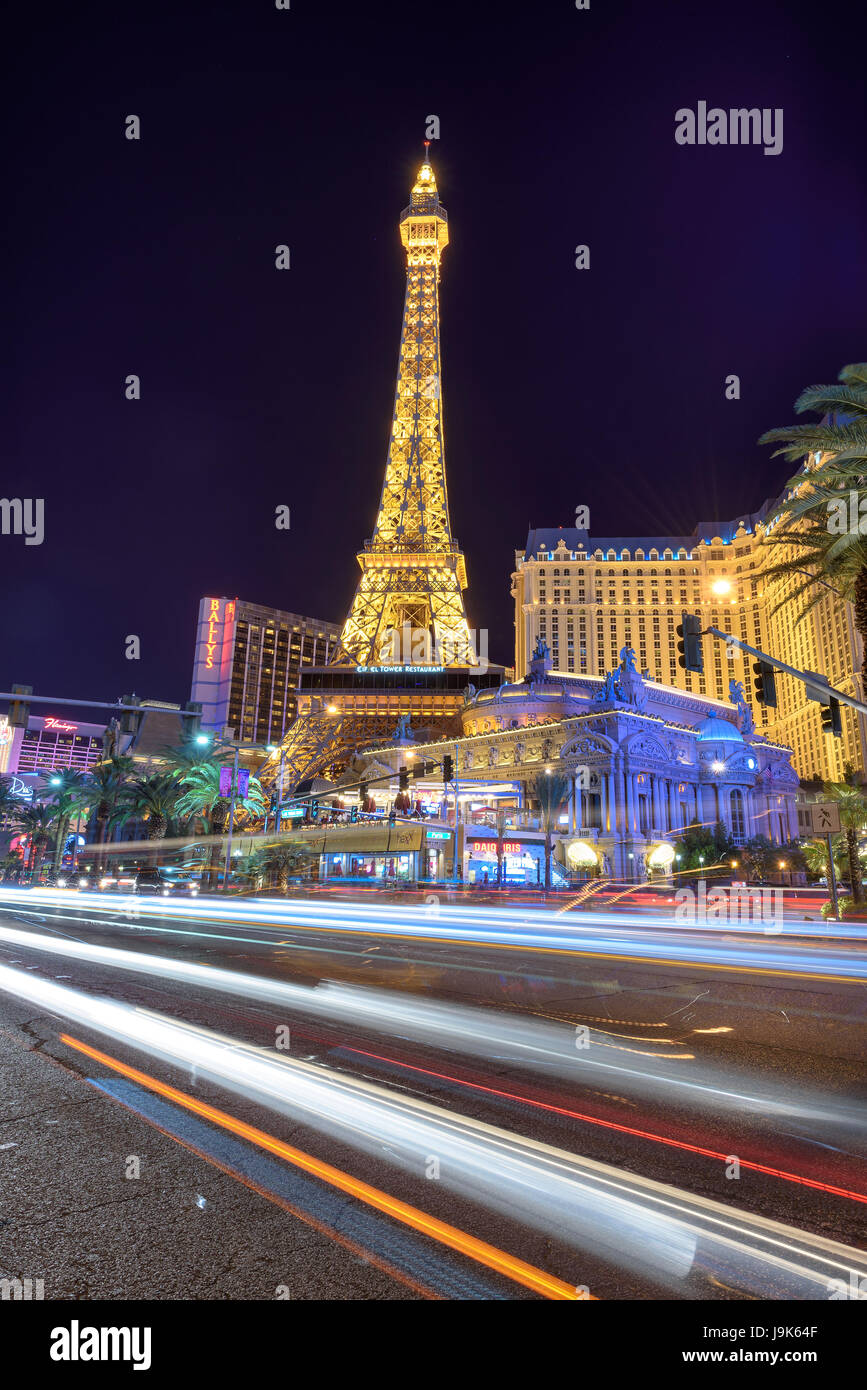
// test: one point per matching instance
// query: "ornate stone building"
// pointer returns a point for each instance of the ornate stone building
(643, 761)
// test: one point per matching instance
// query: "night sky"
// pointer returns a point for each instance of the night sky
(259, 388)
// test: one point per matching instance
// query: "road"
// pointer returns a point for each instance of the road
(340, 1100)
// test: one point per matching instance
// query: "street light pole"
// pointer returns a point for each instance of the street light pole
(455, 875)
(280, 791)
(232, 791)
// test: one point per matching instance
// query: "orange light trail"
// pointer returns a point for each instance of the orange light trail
(359, 1250)
(622, 1129)
(498, 1260)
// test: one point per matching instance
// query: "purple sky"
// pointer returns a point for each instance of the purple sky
(261, 388)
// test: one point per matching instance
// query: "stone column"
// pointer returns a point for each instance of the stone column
(793, 818)
(609, 823)
(630, 803)
(577, 803)
(656, 801)
(673, 820)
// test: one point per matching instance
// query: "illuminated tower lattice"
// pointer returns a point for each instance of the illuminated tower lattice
(409, 604)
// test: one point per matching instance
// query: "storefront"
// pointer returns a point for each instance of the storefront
(398, 867)
(523, 859)
(368, 850)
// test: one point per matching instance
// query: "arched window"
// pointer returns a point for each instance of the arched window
(736, 802)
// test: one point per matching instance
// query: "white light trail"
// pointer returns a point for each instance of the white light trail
(653, 1229)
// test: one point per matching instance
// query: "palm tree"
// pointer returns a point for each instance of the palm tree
(35, 821)
(182, 758)
(550, 790)
(10, 866)
(105, 781)
(152, 799)
(283, 860)
(829, 556)
(201, 796)
(10, 804)
(853, 817)
(815, 854)
(69, 793)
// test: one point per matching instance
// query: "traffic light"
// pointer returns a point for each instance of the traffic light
(689, 629)
(765, 684)
(353, 814)
(129, 719)
(403, 778)
(19, 710)
(448, 768)
(314, 810)
(831, 721)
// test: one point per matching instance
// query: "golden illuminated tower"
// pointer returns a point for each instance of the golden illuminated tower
(409, 607)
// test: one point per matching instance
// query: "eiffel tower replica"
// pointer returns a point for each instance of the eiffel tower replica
(406, 653)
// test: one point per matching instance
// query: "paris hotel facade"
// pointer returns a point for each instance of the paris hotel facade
(586, 597)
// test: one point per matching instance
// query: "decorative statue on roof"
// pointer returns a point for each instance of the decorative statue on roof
(403, 730)
(540, 661)
(630, 682)
(610, 688)
(470, 692)
(745, 714)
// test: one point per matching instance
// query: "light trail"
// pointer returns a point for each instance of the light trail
(465, 1244)
(595, 936)
(613, 1125)
(525, 1041)
(655, 1230)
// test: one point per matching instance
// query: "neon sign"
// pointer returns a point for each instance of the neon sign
(490, 850)
(62, 725)
(400, 670)
(213, 624)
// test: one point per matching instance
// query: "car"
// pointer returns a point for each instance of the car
(116, 883)
(159, 882)
(54, 878)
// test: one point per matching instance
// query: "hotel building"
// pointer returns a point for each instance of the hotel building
(48, 744)
(247, 662)
(587, 597)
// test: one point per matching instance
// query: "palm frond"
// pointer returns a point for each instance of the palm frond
(842, 400)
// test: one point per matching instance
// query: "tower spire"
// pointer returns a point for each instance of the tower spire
(412, 571)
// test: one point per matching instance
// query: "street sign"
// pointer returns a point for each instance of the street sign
(826, 817)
